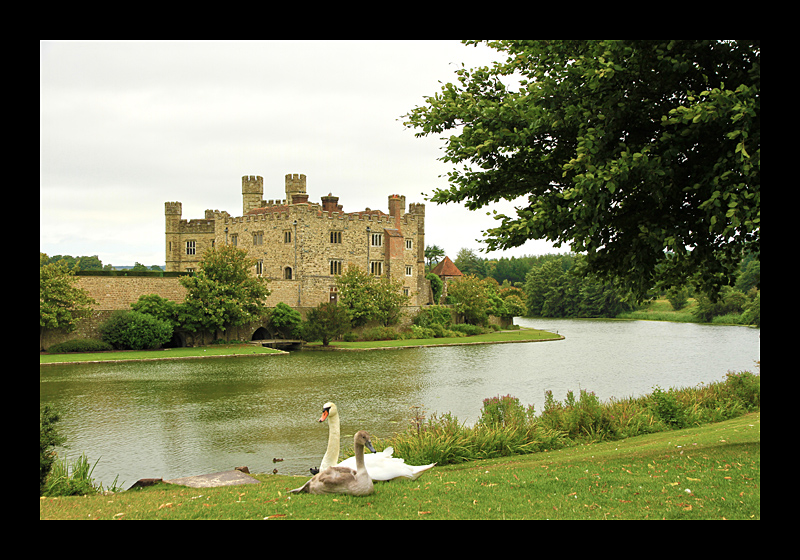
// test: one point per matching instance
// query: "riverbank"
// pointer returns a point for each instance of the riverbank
(708, 472)
(242, 350)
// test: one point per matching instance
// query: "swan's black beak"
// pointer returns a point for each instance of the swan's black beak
(369, 446)
(325, 413)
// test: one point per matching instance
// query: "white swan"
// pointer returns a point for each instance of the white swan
(380, 466)
(343, 480)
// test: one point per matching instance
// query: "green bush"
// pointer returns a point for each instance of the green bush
(381, 333)
(48, 439)
(80, 345)
(666, 407)
(468, 330)
(131, 330)
(433, 315)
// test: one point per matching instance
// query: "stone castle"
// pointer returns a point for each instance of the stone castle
(301, 246)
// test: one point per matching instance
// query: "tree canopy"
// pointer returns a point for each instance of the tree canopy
(223, 292)
(644, 155)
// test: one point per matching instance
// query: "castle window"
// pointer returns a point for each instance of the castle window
(260, 268)
(258, 238)
(287, 236)
(336, 267)
(234, 240)
(287, 273)
(408, 244)
(409, 271)
(190, 248)
(377, 240)
(406, 292)
(376, 268)
(336, 237)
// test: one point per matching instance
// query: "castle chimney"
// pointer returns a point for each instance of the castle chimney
(330, 203)
(397, 207)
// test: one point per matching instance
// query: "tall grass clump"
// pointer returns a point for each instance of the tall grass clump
(506, 427)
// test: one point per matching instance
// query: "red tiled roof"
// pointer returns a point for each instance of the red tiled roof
(446, 268)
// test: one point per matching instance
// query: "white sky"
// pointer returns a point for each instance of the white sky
(127, 126)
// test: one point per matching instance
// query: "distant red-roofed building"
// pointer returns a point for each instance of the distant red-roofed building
(446, 270)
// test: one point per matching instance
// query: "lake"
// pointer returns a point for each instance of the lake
(179, 418)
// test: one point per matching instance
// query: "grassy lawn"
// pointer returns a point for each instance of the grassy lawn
(521, 335)
(708, 472)
(168, 353)
(661, 310)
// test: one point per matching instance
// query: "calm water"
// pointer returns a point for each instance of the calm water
(180, 418)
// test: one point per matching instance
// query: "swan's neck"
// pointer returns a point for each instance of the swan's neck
(360, 467)
(331, 457)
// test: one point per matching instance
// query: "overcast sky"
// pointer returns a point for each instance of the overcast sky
(127, 126)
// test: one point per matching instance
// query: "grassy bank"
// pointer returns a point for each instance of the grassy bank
(229, 350)
(707, 472)
(520, 335)
(217, 350)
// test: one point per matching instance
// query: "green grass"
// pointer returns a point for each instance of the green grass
(661, 310)
(168, 353)
(521, 335)
(707, 472)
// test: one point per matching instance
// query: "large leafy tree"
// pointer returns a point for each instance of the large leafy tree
(61, 304)
(645, 155)
(223, 292)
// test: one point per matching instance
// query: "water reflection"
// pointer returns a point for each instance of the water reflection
(179, 418)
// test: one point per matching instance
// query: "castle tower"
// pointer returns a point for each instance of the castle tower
(172, 213)
(295, 185)
(252, 192)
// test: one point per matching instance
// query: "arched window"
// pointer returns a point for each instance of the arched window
(287, 273)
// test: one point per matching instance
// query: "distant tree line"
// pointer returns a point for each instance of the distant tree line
(557, 285)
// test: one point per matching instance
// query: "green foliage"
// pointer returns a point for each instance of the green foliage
(665, 406)
(326, 322)
(433, 253)
(156, 306)
(678, 297)
(561, 288)
(437, 285)
(503, 411)
(131, 330)
(284, 321)
(367, 298)
(223, 292)
(49, 438)
(470, 298)
(432, 315)
(505, 427)
(61, 305)
(80, 345)
(730, 301)
(626, 150)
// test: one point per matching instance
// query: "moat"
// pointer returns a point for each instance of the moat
(180, 418)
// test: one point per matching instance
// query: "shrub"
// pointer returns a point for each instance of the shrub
(48, 439)
(131, 330)
(432, 315)
(326, 322)
(503, 411)
(80, 345)
(468, 330)
(381, 333)
(667, 408)
(284, 321)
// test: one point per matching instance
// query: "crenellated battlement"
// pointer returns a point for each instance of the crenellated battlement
(303, 243)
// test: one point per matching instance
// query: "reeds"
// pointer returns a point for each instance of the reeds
(507, 428)
(74, 478)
